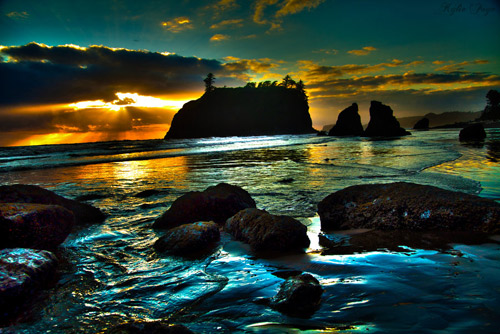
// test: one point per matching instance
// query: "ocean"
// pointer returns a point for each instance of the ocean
(111, 274)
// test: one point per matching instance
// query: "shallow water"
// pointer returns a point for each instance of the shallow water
(110, 272)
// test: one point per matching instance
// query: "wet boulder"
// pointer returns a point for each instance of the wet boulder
(267, 232)
(148, 327)
(216, 203)
(189, 239)
(382, 122)
(474, 132)
(422, 124)
(36, 226)
(298, 296)
(408, 206)
(348, 123)
(23, 272)
(23, 193)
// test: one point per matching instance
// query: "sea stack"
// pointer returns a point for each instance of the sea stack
(348, 123)
(383, 123)
(243, 111)
(422, 124)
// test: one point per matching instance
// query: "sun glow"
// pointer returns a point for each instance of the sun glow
(129, 100)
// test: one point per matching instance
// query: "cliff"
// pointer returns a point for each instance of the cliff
(242, 111)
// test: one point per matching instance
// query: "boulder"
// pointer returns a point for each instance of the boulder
(23, 272)
(474, 132)
(422, 124)
(298, 296)
(189, 239)
(348, 123)
(23, 193)
(382, 122)
(267, 232)
(148, 327)
(36, 226)
(216, 203)
(408, 206)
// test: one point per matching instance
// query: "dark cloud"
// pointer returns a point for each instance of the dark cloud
(37, 73)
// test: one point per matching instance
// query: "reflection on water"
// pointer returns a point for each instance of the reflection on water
(373, 282)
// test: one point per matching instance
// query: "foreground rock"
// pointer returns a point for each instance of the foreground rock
(148, 327)
(23, 193)
(266, 232)
(348, 123)
(216, 203)
(243, 112)
(474, 132)
(189, 239)
(408, 206)
(37, 226)
(382, 122)
(298, 296)
(23, 272)
(422, 124)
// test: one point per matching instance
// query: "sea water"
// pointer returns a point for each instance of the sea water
(111, 274)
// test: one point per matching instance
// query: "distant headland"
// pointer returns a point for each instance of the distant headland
(267, 108)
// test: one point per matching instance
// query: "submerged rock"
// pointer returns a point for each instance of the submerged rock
(348, 123)
(408, 206)
(148, 327)
(34, 225)
(298, 296)
(189, 239)
(474, 132)
(266, 232)
(23, 193)
(422, 124)
(23, 272)
(216, 203)
(382, 122)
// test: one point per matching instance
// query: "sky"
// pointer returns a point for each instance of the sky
(80, 71)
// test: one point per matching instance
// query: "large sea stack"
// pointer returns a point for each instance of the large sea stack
(348, 123)
(383, 122)
(242, 111)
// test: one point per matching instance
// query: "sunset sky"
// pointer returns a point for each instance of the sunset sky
(76, 71)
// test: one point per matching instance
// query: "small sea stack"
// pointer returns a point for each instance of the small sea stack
(383, 123)
(348, 123)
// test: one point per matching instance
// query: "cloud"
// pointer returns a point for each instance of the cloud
(363, 52)
(37, 74)
(227, 23)
(327, 51)
(458, 67)
(18, 15)
(178, 24)
(271, 12)
(219, 37)
(237, 65)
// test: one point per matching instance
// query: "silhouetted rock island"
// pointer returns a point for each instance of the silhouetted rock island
(422, 124)
(383, 122)
(243, 111)
(348, 123)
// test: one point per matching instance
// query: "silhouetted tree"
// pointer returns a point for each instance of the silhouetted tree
(267, 83)
(250, 85)
(300, 86)
(493, 98)
(288, 82)
(209, 82)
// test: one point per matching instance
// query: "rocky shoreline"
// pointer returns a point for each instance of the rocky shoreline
(33, 226)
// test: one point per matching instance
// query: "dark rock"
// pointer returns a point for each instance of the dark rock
(266, 232)
(147, 193)
(348, 123)
(408, 206)
(287, 180)
(34, 225)
(382, 122)
(298, 296)
(189, 239)
(23, 272)
(216, 203)
(243, 112)
(474, 132)
(422, 124)
(148, 327)
(22, 193)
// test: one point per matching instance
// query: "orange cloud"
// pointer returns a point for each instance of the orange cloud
(178, 24)
(18, 15)
(284, 8)
(296, 6)
(363, 52)
(227, 23)
(456, 67)
(219, 37)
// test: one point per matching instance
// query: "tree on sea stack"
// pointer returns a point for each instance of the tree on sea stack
(209, 82)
